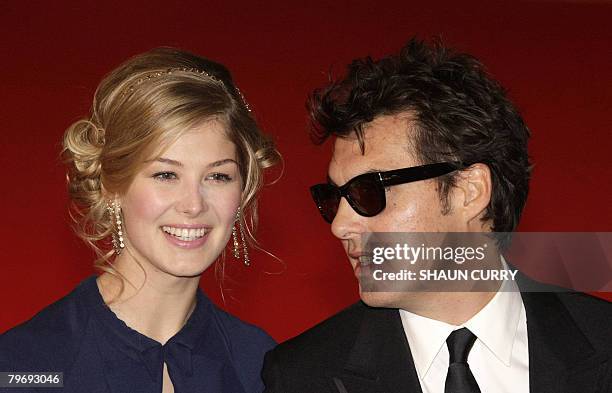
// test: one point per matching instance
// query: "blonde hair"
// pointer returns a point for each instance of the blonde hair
(139, 109)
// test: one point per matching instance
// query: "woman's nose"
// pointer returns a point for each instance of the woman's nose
(192, 201)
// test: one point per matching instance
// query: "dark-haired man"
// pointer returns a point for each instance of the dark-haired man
(426, 141)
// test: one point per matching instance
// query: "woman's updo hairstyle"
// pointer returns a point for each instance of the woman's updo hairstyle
(138, 111)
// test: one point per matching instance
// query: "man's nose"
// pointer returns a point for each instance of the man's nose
(346, 224)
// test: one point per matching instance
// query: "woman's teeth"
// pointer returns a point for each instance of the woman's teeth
(185, 234)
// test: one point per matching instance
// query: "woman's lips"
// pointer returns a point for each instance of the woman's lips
(186, 238)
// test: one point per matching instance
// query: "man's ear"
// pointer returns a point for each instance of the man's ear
(473, 194)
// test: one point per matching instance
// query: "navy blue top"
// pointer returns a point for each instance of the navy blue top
(97, 352)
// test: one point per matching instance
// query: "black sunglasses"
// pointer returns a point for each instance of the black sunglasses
(366, 193)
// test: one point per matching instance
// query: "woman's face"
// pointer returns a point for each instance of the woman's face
(180, 208)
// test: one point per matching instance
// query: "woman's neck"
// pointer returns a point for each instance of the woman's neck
(153, 303)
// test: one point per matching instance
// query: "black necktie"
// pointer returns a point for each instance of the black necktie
(460, 378)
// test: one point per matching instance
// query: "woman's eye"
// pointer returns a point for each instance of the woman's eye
(220, 177)
(165, 176)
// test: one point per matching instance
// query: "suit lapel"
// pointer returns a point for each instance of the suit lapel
(380, 360)
(560, 357)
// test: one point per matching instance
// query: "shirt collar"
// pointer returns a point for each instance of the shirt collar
(495, 325)
(425, 338)
(178, 351)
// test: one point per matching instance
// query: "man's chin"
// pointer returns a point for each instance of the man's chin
(382, 299)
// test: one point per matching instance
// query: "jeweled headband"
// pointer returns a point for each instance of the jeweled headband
(157, 74)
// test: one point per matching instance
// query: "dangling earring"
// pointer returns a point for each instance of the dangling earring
(114, 210)
(236, 248)
(245, 250)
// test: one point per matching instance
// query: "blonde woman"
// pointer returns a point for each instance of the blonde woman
(163, 173)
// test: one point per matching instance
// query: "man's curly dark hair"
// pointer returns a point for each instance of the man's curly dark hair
(460, 113)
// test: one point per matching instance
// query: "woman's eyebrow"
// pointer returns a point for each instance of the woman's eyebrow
(222, 162)
(214, 164)
(166, 161)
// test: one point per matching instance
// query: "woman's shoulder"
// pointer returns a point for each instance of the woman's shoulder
(246, 345)
(242, 334)
(50, 337)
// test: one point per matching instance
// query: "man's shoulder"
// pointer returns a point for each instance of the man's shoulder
(328, 341)
(314, 360)
(592, 315)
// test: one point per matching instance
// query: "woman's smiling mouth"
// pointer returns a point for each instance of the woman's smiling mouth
(186, 234)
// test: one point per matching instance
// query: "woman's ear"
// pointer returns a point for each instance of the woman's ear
(110, 197)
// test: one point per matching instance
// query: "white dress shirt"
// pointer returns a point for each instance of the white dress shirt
(499, 358)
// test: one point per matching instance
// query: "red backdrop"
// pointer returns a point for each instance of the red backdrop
(554, 57)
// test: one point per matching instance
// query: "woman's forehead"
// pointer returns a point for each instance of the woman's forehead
(208, 140)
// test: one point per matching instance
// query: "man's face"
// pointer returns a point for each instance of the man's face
(411, 207)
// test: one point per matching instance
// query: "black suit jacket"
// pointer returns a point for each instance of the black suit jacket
(364, 350)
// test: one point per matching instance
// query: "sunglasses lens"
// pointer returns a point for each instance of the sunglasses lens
(367, 196)
(327, 199)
